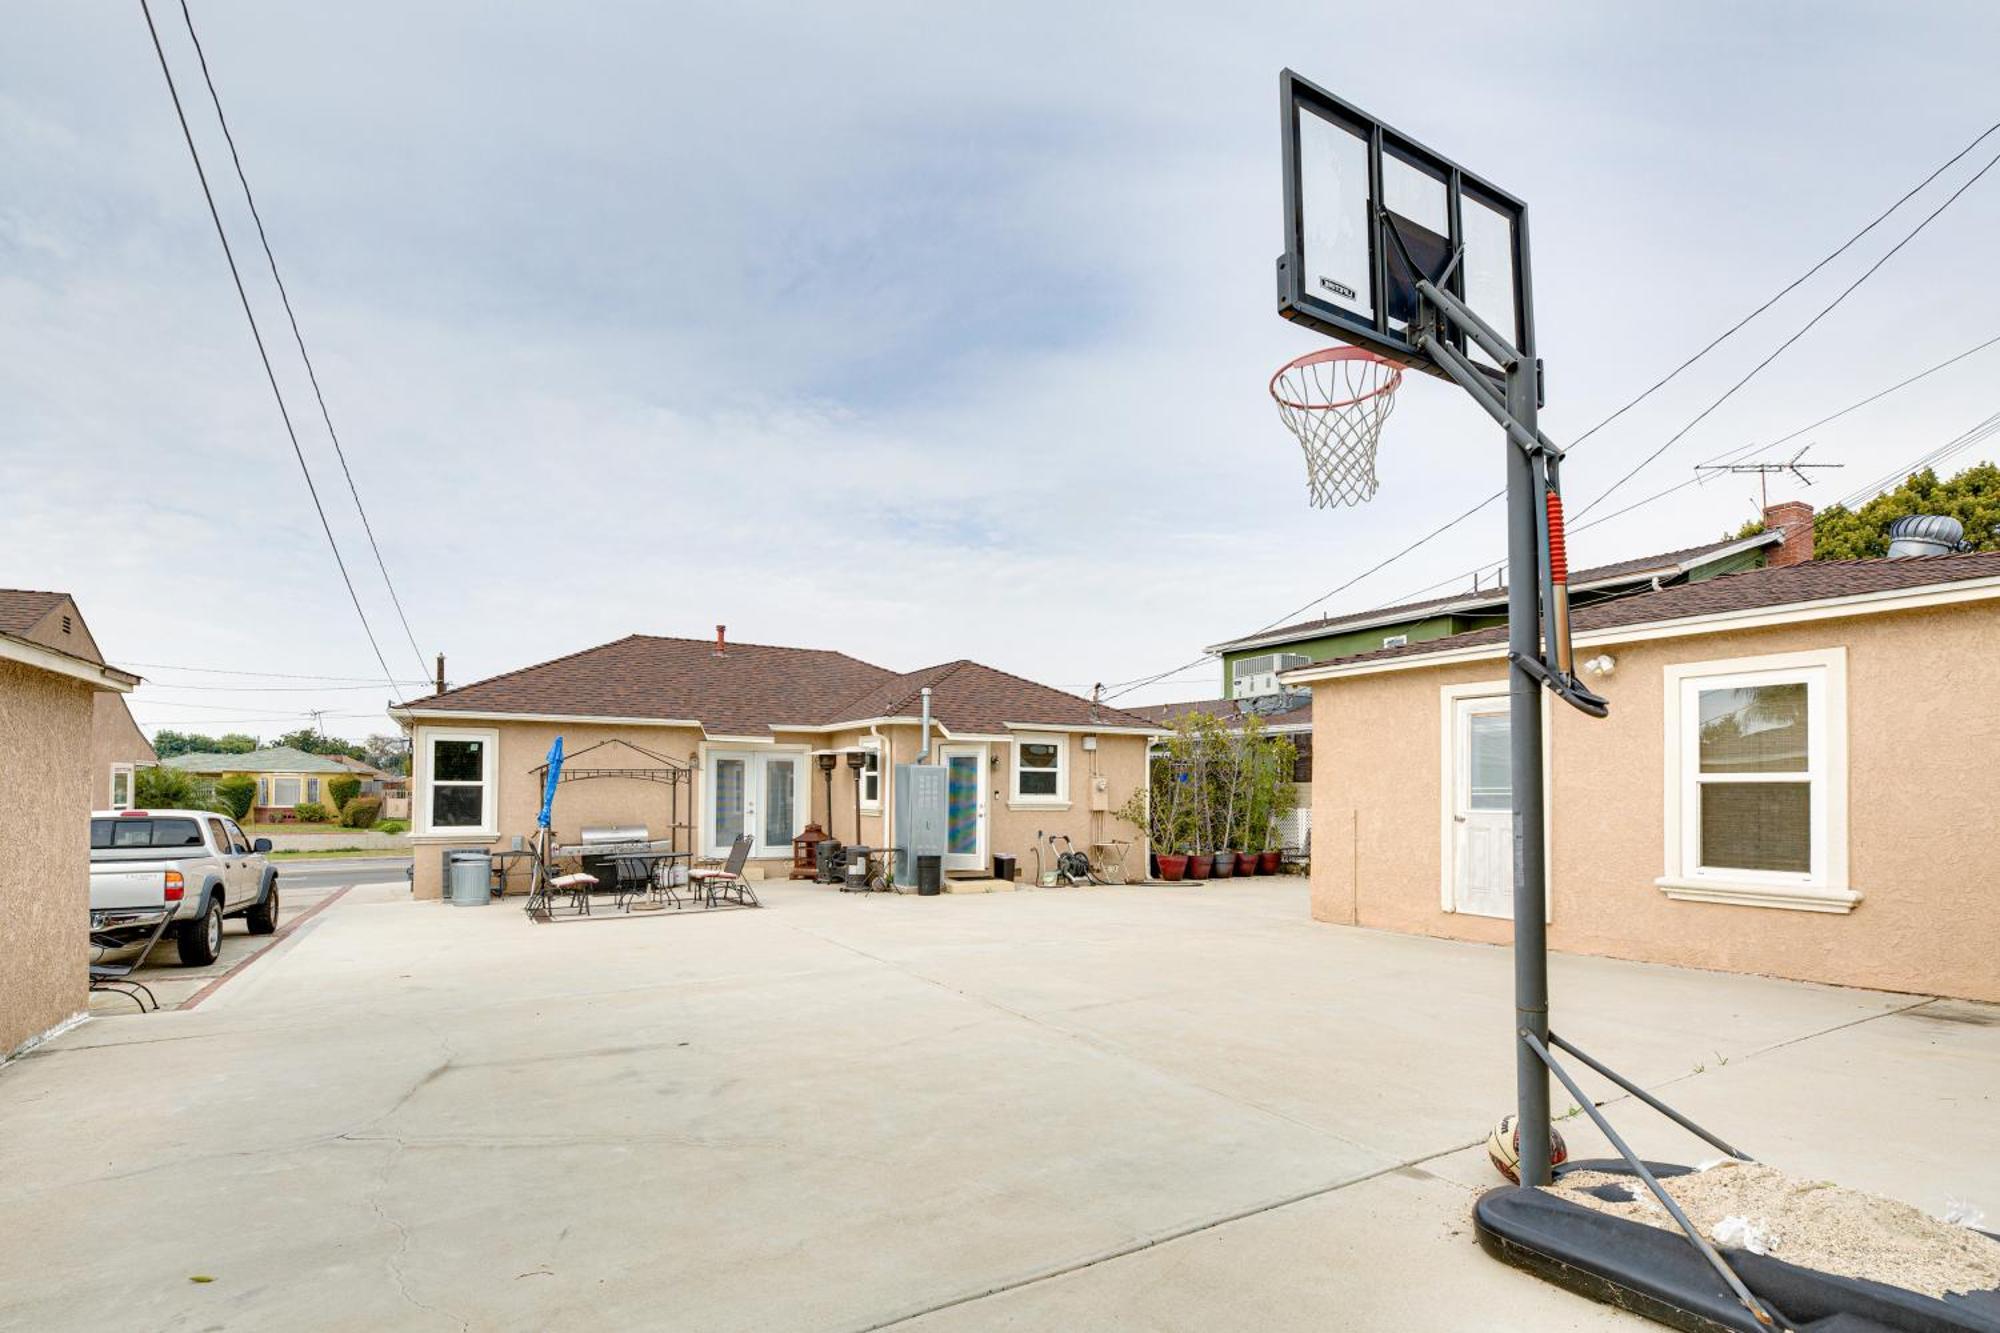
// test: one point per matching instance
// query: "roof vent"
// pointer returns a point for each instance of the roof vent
(65, 624)
(1927, 534)
(721, 648)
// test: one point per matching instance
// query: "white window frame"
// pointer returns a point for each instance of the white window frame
(871, 748)
(1825, 887)
(130, 773)
(276, 788)
(1016, 799)
(312, 791)
(489, 807)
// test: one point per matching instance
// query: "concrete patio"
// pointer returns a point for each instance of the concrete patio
(1111, 1108)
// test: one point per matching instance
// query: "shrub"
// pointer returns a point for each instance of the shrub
(343, 790)
(311, 812)
(237, 794)
(171, 789)
(361, 812)
(392, 826)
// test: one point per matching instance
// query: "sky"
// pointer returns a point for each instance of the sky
(914, 331)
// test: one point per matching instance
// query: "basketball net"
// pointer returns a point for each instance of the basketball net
(1336, 401)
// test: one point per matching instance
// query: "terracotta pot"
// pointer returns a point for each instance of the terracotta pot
(1225, 864)
(1200, 866)
(1171, 868)
(1268, 862)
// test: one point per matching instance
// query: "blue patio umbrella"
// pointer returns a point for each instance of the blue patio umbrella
(549, 787)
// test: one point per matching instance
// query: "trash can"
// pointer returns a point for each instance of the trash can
(930, 875)
(471, 876)
(1005, 866)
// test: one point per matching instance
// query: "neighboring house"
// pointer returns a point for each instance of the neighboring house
(751, 722)
(285, 777)
(118, 749)
(393, 788)
(1797, 778)
(51, 676)
(1284, 714)
(1250, 665)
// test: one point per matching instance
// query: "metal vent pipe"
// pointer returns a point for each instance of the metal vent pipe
(924, 754)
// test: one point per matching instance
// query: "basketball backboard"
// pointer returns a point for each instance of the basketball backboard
(1343, 274)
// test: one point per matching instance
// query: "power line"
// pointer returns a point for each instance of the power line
(1779, 350)
(297, 336)
(262, 689)
(256, 334)
(266, 675)
(1957, 444)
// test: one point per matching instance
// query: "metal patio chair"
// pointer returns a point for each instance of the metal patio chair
(116, 978)
(726, 881)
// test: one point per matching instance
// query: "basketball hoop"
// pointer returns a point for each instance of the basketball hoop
(1336, 401)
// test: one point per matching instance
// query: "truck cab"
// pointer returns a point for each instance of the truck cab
(195, 866)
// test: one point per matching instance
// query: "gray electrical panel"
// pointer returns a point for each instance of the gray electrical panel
(920, 816)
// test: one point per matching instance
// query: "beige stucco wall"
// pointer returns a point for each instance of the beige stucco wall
(1923, 734)
(114, 739)
(524, 745)
(45, 802)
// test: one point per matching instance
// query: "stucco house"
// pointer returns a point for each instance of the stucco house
(286, 777)
(118, 750)
(51, 677)
(393, 788)
(751, 722)
(1797, 778)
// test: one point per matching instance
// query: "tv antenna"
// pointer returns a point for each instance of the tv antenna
(1793, 466)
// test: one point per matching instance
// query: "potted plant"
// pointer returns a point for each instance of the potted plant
(1160, 812)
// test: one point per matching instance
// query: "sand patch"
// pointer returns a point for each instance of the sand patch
(1812, 1223)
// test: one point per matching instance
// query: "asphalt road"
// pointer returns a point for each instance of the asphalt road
(335, 871)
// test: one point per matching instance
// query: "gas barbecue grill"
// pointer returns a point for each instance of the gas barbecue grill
(599, 846)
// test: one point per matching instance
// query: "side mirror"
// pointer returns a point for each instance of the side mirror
(261, 845)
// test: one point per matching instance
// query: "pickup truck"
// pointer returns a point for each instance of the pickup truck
(193, 865)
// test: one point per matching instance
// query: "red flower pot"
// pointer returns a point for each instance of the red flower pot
(1171, 867)
(1268, 862)
(1225, 864)
(1200, 866)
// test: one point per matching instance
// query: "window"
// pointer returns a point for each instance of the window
(238, 843)
(1757, 782)
(312, 789)
(1395, 640)
(220, 837)
(263, 791)
(108, 834)
(459, 770)
(121, 786)
(284, 791)
(871, 775)
(1041, 770)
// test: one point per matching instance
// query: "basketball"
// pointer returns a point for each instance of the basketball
(1503, 1148)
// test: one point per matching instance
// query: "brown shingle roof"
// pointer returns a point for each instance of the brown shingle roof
(753, 687)
(1495, 598)
(1748, 590)
(21, 609)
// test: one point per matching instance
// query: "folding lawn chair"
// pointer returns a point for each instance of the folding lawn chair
(726, 880)
(116, 978)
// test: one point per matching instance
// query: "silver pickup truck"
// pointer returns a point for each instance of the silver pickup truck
(193, 865)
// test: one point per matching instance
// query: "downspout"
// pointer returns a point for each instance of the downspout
(924, 752)
(886, 792)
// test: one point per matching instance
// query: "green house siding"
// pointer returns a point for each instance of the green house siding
(1742, 560)
(1354, 641)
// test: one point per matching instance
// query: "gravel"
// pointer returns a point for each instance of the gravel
(1812, 1223)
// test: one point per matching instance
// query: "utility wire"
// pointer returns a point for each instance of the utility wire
(1780, 349)
(1958, 444)
(265, 675)
(297, 336)
(262, 354)
(262, 689)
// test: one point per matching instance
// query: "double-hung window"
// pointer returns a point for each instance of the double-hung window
(459, 767)
(870, 775)
(1041, 769)
(284, 791)
(1757, 782)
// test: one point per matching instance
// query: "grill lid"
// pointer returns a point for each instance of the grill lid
(603, 834)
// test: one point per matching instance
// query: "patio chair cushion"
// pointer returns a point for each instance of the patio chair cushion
(571, 881)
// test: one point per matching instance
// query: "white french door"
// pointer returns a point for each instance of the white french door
(1482, 809)
(762, 793)
(965, 806)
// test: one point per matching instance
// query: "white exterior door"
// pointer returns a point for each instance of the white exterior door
(965, 806)
(761, 793)
(1482, 809)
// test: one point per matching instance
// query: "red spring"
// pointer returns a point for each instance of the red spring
(1558, 554)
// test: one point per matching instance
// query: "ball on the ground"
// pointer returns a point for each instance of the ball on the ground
(1503, 1148)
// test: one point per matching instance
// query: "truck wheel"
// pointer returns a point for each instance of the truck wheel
(200, 940)
(262, 917)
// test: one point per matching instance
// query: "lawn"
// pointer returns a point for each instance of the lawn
(328, 830)
(318, 853)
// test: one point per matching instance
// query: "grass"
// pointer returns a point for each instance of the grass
(316, 853)
(327, 830)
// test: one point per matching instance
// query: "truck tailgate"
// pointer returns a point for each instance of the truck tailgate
(127, 886)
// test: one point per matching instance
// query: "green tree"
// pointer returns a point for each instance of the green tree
(342, 790)
(390, 753)
(171, 789)
(305, 738)
(1972, 497)
(235, 742)
(167, 743)
(237, 794)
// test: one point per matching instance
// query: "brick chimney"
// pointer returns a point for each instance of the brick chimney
(722, 648)
(1794, 518)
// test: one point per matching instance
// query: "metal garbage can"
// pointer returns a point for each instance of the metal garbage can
(930, 875)
(471, 877)
(1005, 866)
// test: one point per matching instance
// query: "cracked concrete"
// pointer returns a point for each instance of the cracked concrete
(1117, 1108)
